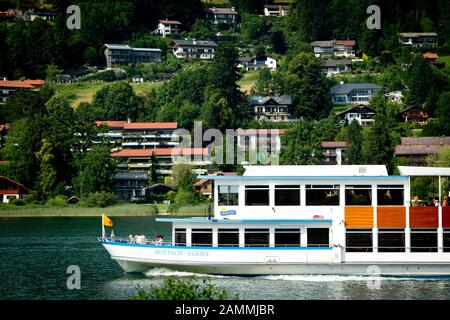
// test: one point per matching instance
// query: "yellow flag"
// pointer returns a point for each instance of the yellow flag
(107, 221)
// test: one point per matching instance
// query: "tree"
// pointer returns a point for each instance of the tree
(443, 112)
(47, 178)
(354, 143)
(440, 159)
(307, 85)
(96, 171)
(52, 73)
(183, 177)
(278, 42)
(419, 90)
(302, 145)
(263, 85)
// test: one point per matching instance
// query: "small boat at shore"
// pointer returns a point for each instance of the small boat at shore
(340, 220)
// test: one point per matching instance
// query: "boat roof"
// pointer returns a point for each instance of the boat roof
(424, 171)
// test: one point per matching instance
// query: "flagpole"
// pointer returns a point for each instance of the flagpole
(103, 227)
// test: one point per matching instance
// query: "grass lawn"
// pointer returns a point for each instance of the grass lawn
(248, 80)
(445, 60)
(84, 91)
(340, 107)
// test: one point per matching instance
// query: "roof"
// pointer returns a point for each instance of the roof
(132, 175)
(27, 84)
(261, 100)
(358, 108)
(421, 145)
(332, 43)
(346, 88)
(111, 124)
(221, 11)
(16, 182)
(429, 55)
(127, 47)
(317, 170)
(159, 152)
(276, 6)
(205, 43)
(411, 107)
(334, 144)
(417, 34)
(169, 22)
(150, 125)
(424, 171)
(215, 174)
(157, 185)
(334, 63)
(443, 140)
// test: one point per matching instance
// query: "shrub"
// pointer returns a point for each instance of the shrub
(99, 199)
(183, 289)
(184, 198)
(17, 202)
(58, 201)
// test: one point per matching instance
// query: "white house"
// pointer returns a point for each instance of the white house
(339, 48)
(360, 93)
(360, 113)
(258, 62)
(276, 10)
(166, 27)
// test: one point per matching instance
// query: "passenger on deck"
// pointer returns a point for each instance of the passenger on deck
(445, 202)
(131, 239)
(159, 240)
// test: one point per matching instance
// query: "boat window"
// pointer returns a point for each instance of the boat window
(322, 195)
(318, 237)
(256, 237)
(423, 240)
(287, 195)
(228, 195)
(391, 240)
(446, 240)
(358, 195)
(358, 240)
(256, 195)
(287, 237)
(390, 195)
(201, 237)
(228, 237)
(180, 237)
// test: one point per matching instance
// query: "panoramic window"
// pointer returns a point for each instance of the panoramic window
(228, 237)
(446, 240)
(180, 237)
(358, 195)
(256, 237)
(358, 240)
(391, 240)
(390, 195)
(256, 195)
(287, 195)
(287, 237)
(201, 237)
(322, 195)
(228, 195)
(423, 240)
(318, 237)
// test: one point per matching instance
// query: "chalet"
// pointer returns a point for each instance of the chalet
(11, 189)
(418, 39)
(257, 139)
(194, 49)
(360, 93)
(415, 150)
(413, 114)
(129, 186)
(333, 67)
(276, 10)
(339, 48)
(272, 108)
(360, 113)
(138, 135)
(206, 186)
(258, 62)
(8, 87)
(334, 152)
(221, 15)
(121, 54)
(141, 159)
(166, 27)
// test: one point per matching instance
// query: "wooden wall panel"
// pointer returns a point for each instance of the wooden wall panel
(391, 217)
(423, 217)
(446, 217)
(359, 217)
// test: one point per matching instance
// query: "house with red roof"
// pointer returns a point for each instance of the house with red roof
(11, 189)
(166, 27)
(8, 87)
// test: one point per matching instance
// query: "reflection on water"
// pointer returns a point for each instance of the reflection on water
(36, 252)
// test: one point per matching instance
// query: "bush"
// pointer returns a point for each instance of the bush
(17, 202)
(58, 201)
(99, 199)
(181, 289)
(184, 198)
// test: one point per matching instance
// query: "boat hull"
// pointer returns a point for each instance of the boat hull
(263, 261)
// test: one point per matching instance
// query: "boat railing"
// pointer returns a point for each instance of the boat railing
(144, 241)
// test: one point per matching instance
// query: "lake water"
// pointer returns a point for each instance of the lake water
(35, 254)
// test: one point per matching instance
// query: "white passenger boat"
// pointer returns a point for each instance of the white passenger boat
(344, 220)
